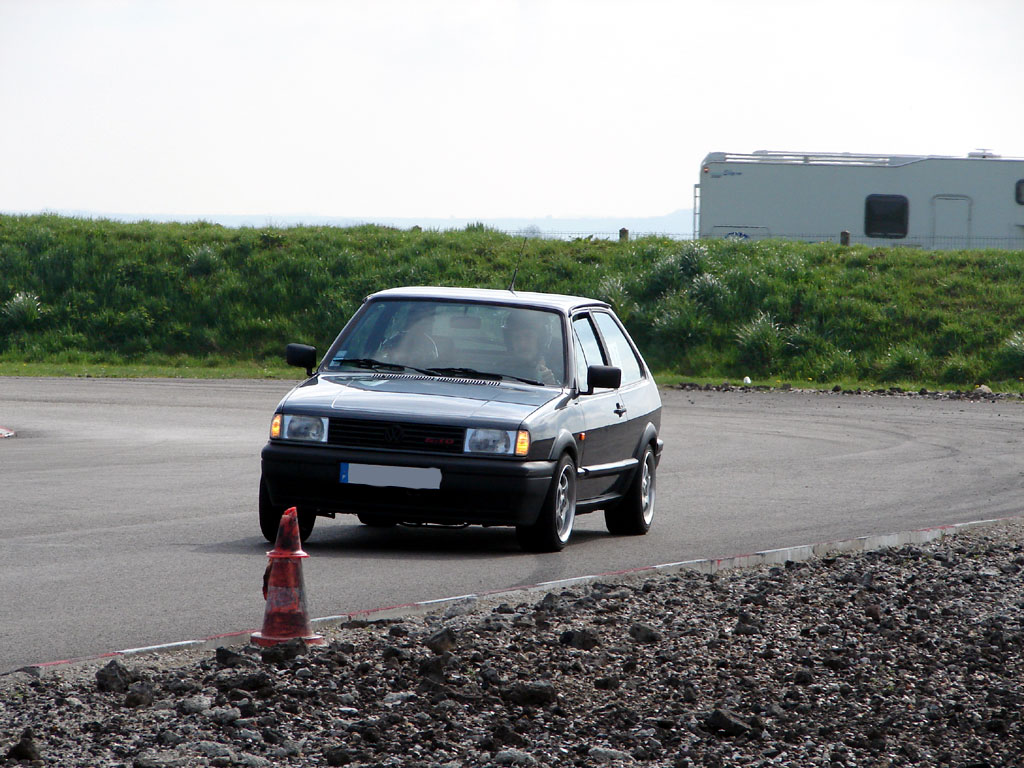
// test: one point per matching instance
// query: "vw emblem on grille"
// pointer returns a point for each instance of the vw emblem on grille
(393, 433)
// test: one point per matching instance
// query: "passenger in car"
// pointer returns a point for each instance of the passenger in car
(525, 341)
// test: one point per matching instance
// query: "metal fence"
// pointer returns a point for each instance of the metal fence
(925, 243)
(953, 242)
(597, 235)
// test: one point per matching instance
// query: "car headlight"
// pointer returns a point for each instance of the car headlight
(311, 429)
(497, 441)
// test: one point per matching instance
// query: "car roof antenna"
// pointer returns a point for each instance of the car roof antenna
(512, 285)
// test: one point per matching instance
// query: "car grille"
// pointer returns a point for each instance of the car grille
(400, 436)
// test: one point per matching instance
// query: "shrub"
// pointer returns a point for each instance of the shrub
(692, 258)
(22, 311)
(613, 290)
(662, 277)
(958, 368)
(953, 336)
(676, 325)
(831, 364)
(760, 342)
(748, 284)
(902, 361)
(202, 261)
(710, 293)
(809, 338)
(1010, 358)
(655, 268)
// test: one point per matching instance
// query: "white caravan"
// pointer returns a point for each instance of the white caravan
(921, 201)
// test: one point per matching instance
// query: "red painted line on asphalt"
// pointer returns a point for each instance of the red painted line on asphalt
(107, 655)
(228, 634)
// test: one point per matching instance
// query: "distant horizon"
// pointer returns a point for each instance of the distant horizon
(678, 222)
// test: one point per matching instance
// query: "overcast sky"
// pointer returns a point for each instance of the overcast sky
(475, 108)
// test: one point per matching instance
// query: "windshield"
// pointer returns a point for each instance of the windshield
(445, 338)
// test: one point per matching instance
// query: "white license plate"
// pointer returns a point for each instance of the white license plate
(396, 477)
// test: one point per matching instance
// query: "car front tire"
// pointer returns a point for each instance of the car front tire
(270, 517)
(553, 528)
(634, 514)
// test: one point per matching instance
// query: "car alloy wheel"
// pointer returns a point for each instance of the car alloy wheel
(554, 525)
(633, 515)
(647, 489)
(565, 503)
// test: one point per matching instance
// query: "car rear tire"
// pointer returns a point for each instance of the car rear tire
(553, 528)
(270, 517)
(634, 514)
(375, 521)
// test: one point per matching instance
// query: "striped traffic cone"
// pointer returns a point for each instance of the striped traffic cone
(285, 617)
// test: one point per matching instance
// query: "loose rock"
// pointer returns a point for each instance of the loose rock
(114, 678)
(140, 694)
(727, 723)
(584, 639)
(900, 657)
(514, 757)
(25, 748)
(442, 641)
(605, 755)
(643, 633)
(534, 694)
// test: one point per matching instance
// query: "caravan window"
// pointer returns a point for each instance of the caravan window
(1020, 192)
(886, 216)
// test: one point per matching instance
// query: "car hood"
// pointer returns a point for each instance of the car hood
(407, 396)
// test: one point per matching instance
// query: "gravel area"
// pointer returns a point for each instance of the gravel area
(909, 656)
(981, 392)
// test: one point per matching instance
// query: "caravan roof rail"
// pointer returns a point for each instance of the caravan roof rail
(838, 158)
(818, 158)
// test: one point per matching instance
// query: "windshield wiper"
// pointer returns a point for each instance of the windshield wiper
(369, 362)
(525, 381)
(472, 373)
(469, 373)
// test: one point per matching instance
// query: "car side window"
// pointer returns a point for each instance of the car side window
(619, 349)
(588, 349)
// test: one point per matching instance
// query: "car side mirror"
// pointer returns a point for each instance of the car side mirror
(301, 356)
(603, 377)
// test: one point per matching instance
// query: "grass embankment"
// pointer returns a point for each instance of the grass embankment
(90, 297)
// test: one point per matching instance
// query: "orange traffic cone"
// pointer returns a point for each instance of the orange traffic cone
(285, 617)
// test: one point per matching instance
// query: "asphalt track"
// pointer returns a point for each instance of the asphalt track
(129, 517)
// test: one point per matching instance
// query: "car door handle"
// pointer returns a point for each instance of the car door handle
(619, 409)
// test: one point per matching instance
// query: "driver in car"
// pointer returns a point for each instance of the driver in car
(525, 339)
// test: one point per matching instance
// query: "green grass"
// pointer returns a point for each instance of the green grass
(183, 369)
(88, 297)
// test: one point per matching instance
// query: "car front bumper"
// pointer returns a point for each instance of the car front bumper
(473, 490)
